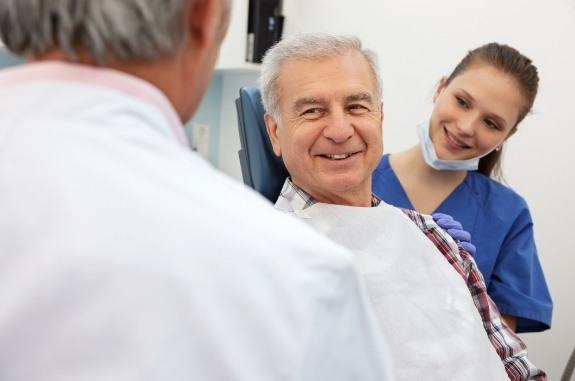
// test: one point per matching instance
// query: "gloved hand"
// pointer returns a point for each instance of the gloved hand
(455, 230)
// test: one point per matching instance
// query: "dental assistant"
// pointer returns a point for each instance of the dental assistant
(454, 170)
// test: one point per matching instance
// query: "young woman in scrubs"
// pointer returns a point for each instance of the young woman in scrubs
(476, 109)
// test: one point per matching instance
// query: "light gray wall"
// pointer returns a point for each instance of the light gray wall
(208, 114)
(7, 59)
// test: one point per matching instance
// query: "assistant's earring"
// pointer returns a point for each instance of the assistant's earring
(498, 148)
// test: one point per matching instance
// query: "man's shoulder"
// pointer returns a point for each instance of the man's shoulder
(439, 237)
(423, 221)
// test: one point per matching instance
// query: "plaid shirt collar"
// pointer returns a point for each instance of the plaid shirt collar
(300, 199)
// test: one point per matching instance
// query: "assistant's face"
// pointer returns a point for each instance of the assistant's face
(330, 133)
(475, 113)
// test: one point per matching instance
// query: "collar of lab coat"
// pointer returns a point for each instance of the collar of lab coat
(96, 76)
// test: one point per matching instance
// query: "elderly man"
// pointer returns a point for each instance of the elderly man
(124, 256)
(324, 117)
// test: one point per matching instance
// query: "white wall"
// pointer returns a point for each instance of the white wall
(233, 50)
(420, 40)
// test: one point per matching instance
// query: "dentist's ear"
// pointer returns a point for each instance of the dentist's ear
(440, 87)
(272, 130)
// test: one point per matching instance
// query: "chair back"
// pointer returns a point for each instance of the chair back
(261, 169)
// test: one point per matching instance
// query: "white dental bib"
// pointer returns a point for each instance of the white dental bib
(424, 306)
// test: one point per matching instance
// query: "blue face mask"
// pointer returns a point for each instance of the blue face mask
(434, 162)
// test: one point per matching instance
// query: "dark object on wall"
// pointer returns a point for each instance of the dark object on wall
(568, 372)
(265, 24)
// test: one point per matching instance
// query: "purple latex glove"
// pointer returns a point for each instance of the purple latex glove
(455, 230)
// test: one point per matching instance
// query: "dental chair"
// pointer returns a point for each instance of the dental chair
(261, 169)
(568, 372)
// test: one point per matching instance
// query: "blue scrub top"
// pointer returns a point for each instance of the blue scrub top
(501, 227)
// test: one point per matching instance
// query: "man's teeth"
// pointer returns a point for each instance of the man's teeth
(339, 156)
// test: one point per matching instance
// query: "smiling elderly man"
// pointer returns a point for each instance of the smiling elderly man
(324, 117)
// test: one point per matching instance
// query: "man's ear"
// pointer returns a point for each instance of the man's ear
(440, 87)
(272, 129)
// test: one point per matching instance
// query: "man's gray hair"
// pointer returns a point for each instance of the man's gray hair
(125, 29)
(311, 47)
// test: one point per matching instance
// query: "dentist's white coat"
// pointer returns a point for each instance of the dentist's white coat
(123, 256)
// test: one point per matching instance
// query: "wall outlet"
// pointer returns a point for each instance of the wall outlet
(201, 139)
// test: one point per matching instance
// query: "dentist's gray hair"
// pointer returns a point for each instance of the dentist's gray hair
(308, 47)
(125, 29)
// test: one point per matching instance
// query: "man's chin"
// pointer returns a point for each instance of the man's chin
(343, 186)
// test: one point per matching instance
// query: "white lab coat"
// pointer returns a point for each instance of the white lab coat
(123, 256)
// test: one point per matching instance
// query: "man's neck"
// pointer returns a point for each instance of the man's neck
(360, 198)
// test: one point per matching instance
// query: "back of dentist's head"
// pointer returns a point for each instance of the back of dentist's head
(127, 29)
(172, 44)
(307, 47)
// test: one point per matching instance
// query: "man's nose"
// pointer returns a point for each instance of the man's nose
(338, 127)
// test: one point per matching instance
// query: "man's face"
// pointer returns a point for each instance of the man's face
(330, 130)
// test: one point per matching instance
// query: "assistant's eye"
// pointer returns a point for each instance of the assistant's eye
(462, 102)
(312, 113)
(491, 124)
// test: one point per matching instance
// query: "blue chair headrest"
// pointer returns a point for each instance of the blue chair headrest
(261, 168)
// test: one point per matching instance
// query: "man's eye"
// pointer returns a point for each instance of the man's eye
(312, 113)
(357, 109)
(462, 102)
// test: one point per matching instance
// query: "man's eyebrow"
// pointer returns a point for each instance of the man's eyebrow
(359, 97)
(302, 102)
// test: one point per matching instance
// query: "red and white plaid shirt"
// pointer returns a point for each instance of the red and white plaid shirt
(509, 347)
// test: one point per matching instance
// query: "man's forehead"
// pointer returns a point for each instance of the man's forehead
(348, 78)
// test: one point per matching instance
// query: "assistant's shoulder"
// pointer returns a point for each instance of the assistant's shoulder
(494, 195)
